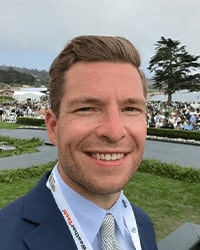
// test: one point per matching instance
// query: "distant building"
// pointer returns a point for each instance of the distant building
(7, 92)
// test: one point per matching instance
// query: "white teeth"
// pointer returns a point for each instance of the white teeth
(108, 157)
(98, 156)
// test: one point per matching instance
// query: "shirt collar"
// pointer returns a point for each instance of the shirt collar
(89, 215)
(117, 212)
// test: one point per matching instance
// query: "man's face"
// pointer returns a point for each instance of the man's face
(101, 129)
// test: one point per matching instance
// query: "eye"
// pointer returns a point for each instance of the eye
(130, 109)
(133, 110)
(85, 109)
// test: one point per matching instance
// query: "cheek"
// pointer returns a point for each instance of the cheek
(138, 130)
(71, 133)
(139, 139)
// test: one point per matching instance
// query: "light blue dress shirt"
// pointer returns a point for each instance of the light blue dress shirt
(90, 217)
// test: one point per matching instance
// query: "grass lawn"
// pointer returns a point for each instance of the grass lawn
(8, 125)
(168, 202)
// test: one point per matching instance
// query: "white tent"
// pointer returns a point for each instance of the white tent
(23, 96)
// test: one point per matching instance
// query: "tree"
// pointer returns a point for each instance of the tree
(12, 76)
(174, 68)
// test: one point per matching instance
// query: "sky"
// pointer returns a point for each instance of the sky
(33, 32)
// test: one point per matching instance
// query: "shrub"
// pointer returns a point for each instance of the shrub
(172, 133)
(9, 176)
(30, 121)
(170, 170)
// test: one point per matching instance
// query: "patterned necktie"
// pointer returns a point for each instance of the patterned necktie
(109, 241)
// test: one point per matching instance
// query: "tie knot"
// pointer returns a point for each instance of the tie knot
(108, 226)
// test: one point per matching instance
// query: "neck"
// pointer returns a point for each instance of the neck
(103, 200)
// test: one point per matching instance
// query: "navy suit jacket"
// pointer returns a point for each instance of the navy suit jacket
(34, 222)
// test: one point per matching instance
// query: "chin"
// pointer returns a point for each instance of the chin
(110, 188)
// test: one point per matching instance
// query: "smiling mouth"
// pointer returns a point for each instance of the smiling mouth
(108, 157)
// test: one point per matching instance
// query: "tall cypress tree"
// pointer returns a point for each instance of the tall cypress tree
(174, 68)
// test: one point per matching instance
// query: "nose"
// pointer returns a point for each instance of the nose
(111, 126)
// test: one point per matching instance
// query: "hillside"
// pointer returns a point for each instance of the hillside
(33, 76)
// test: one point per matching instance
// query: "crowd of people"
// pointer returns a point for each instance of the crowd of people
(10, 111)
(178, 115)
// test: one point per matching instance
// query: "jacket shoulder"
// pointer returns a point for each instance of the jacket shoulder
(13, 225)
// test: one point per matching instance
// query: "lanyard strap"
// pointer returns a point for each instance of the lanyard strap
(79, 237)
(69, 217)
(131, 223)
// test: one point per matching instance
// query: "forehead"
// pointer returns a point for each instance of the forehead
(103, 78)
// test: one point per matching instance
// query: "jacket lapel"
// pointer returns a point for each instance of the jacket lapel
(49, 228)
(51, 234)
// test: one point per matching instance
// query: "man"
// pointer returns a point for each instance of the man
(97, 120)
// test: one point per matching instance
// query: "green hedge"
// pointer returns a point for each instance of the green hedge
(149, 166)
(172, 133)
(31, 121)
(170, 170)
(11, 175)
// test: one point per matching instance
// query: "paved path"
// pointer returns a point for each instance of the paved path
(46, 153)
(181, 154)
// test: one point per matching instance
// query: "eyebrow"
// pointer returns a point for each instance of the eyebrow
(95, 101)
(134, 101)
(84, 100)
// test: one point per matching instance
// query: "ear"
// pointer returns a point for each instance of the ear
(51, 125)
